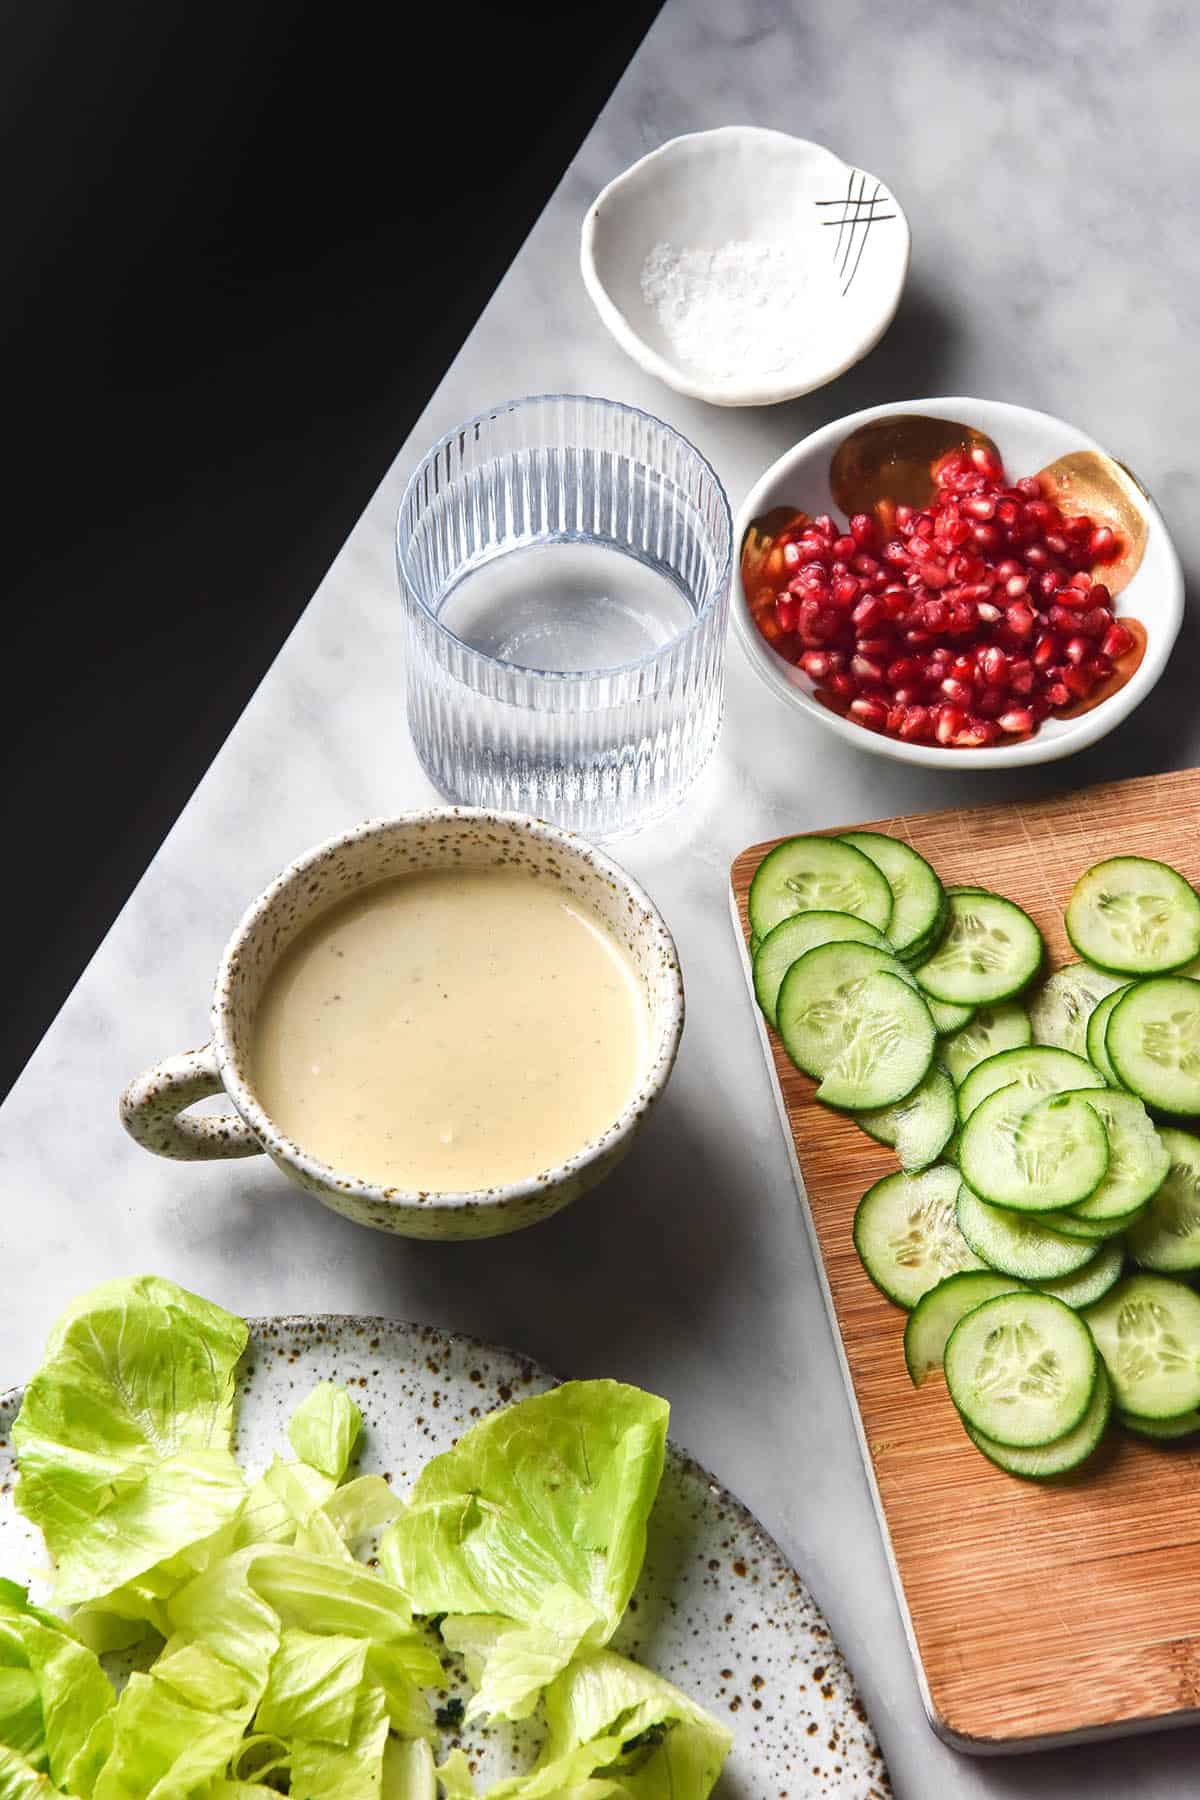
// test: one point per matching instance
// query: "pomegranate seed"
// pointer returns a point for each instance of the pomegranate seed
(950, 722)
(872, 713)
(1020, 619)
(868, 613)
(786, 613)
(960, 692)
(881, 646)
(865, 668)
(1104, 544)
(916, 723)
(905, 515)
(1018, 719)
(1058, 693)
(1049, 583)
(845, 590)
(1116, 641)
(986, 462)
(1008, 514)
(987, 537)
(1080, 579)
(919, 548)
(975, 734)
(817, 663)
(1045, 651)
(1099, 595)
(1016, 586)
(1021, 677)
(963, 617)
(993, 666)
(894, 551)
(863, 531)
(916, 636)
(844, 548)
(1070, 595)
(953, 531)
(1028, 486)
(934, 575)
(1055, 541)
(791, 556)
(1095, 622)
(843, 685)
(981, 506)
(825, 525)
(935, 615)
(1079, 681)
(904, 670)
(1100, 667)
(1077, 650)
(988, 614)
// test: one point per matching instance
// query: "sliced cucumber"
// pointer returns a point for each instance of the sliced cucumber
(1060, 1009)
(1134, 915)
(948, 1018)
(1017, 1243)
(1147, 1329)
(792, 938)
(993, 1028)
(1092, 1231)
(925, 946)
(1097, 1030)
(817, 874)
(849, 1016)
(1153, 1042)
(919, 1127)
(1021, 1369)
(991, 951)
(1091, 1282)
(1167, 1236)
(1033, 1155)
(1065, 1453)
(1138, 1159)
(918, 899)
(907, 1236)
(1186, 1425)
(938, 1311)
(1038, 1068)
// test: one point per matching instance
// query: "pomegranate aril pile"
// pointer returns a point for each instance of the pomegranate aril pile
(970, 625)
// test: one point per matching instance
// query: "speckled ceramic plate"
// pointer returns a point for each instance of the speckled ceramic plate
(718, 1610)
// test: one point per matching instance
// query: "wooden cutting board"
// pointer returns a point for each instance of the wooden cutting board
(1035, 1613)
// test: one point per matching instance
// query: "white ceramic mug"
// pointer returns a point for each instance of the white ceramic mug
(154, 1107)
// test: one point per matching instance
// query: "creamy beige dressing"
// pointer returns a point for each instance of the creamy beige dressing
(450, 1030)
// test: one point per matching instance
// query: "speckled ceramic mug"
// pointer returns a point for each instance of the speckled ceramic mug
(154, 1108)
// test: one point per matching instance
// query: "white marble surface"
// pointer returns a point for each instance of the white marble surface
(1046, 162)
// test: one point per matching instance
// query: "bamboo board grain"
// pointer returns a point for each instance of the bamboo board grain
(1036, 1613)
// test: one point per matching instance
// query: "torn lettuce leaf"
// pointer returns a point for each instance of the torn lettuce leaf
(324, 1429)
(668, 1747)
(52, 1690)
(162, 1747)
(124, 1435)
(537, 1517)
(351, 1771)
(19, 1780)
(509, 1663)
(408, 1771)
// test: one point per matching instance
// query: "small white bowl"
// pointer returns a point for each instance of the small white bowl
(1027, 441)
(833, 239)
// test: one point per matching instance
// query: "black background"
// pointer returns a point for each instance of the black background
(240, 247)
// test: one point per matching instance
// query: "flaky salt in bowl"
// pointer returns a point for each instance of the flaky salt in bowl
(744, 266)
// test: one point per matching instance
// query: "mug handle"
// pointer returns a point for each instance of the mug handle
(153, 1111)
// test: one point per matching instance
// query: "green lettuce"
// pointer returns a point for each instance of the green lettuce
(52, 1690)
(649, 1738)
(324, 1429)
(534, 1522)
(19, 1780)
(124, 1436)
(351, 1771)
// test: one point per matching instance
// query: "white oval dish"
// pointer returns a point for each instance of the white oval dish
(834, 235)
(1027, 441)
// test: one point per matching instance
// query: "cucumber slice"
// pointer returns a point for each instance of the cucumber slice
(993, 1028)
(925, 946)
(937, 1312)
(1153, 1042)
(907, 1236)
(1186, 1425)
(1092, 1231)
(948, 1018)
(792, 938)
(1167, 1236)
(1097, 1030)
(1134, 915)
(918, 900)
(991, 951)
(919, 1127)
(1016, 1243)
(1035, 1156)
(1138, 1159)
(1060, 1009)
(1021, 1369)
(1065, 1453)
(817, 874)
(1091, 1282)
(849, 1016)
(1147, 1329)
(1038, 1068)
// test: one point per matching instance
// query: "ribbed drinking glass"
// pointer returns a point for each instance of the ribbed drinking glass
(564, 568)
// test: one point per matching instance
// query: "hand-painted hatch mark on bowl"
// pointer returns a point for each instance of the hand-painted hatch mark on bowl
(859, 214)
